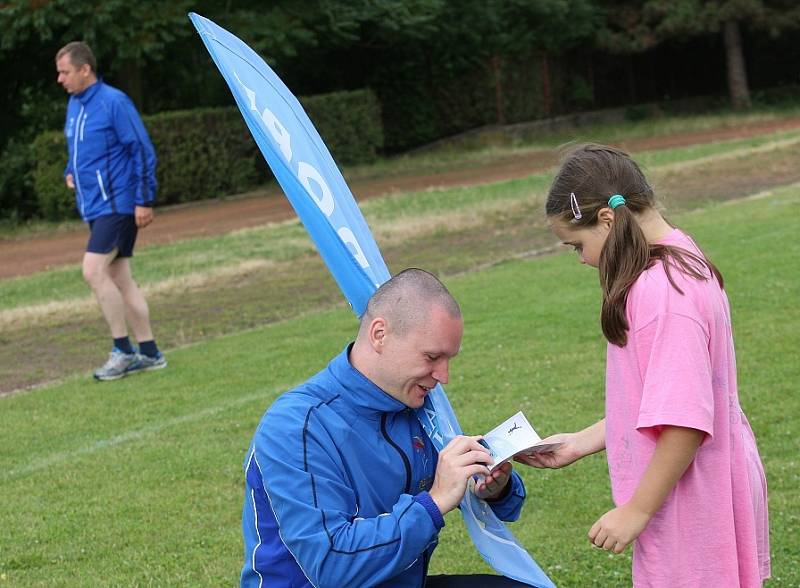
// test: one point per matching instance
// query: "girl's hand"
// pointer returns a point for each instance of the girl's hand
(558, 458)
(575, 446)
(618, 528)
(494, 483)
(675, 449)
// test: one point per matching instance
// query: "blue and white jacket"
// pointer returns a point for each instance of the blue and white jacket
(336, 489)
(110, 156)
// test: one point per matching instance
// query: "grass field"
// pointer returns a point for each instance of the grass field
(390, 218)
(139, 483)
(468, 150)
(204, 288)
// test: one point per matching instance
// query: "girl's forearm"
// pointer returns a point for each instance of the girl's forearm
(593, 438)
(675, 450)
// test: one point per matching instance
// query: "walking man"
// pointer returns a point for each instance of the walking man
(112, 169)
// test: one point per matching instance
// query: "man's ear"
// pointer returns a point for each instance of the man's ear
(377, 334)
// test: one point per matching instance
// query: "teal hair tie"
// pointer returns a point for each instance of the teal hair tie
(616, 200)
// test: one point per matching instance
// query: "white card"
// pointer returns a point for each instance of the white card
(515, 435)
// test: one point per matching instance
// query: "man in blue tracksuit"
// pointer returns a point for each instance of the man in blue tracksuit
(111, 166)
(343, 487)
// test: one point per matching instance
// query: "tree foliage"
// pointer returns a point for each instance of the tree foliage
(437, 66)
(633, 26)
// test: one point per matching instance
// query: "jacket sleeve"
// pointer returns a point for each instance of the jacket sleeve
(133, 136)
(316, 507)
(509, 507)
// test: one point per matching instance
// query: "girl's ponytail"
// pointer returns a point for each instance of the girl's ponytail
(624, 257)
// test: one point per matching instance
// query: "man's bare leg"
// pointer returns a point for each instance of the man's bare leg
(97, 273)
(136, 310)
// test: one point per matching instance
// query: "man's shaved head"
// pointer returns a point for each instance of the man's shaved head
(410, 331)
(405, 301)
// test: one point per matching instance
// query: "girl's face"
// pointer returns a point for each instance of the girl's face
(586, 241)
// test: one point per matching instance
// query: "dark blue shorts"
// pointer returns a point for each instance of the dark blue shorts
(113, 231)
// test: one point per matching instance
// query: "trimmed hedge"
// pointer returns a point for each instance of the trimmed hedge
(203, 153)
(349, 123)
(208, 153)
(54, 199)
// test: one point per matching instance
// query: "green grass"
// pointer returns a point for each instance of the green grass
(271, 243)
(499, 142)
(139, 482)
(288, 241)
(701, 150)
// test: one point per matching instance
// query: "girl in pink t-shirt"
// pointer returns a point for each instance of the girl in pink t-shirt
(686, 477)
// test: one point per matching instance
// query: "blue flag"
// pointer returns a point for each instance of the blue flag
(316, 189)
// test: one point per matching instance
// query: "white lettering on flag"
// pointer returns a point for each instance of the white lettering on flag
(306, 172)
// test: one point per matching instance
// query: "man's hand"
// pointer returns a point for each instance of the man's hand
(493, 485)
(618, 528)
(144, 216)
(461, 459)
(70, 181)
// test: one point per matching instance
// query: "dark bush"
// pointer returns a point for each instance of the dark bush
(203, 153)
(55, 201)
(349, 123)
(208, 153)
(17, 198)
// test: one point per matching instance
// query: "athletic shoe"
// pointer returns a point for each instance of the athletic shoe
(116, 367)
(145, 363)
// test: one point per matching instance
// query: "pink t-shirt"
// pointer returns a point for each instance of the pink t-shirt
(678, 368)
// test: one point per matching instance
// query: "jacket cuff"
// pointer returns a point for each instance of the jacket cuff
(436, 516)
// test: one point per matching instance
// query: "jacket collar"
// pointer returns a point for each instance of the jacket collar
(89, 92)
(361, 393)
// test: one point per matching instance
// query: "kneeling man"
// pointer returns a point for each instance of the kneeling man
(343, 487)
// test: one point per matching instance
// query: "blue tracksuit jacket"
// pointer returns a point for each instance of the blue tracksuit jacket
(336, 489)
(110, 155)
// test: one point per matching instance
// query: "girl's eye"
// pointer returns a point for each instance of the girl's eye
(577, 248)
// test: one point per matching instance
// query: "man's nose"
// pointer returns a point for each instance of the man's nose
(442, 371)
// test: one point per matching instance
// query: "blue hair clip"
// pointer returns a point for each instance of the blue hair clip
(616, 200)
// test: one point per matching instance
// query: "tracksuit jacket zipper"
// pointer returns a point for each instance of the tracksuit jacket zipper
(407, 466)
(78, 134)
(402, 453)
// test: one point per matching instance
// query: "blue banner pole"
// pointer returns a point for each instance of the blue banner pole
(316, 189)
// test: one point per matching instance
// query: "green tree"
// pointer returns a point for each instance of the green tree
(125, 36)
(549, 28)
(634, 26)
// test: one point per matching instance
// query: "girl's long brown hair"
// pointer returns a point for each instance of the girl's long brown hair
(593, 173)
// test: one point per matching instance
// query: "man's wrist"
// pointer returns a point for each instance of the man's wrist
(435, 512)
